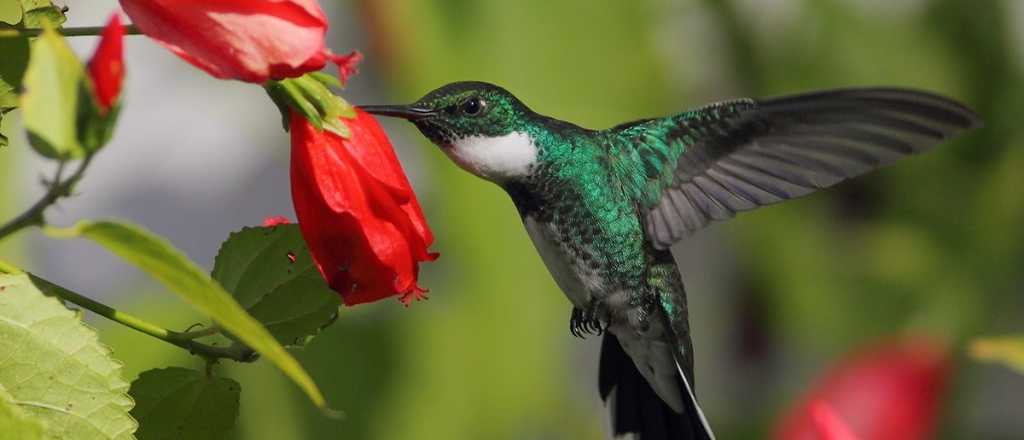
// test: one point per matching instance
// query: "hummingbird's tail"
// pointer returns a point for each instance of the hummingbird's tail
(637, 412)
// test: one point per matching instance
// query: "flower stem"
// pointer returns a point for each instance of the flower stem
(182, 340)
(208, 331)
(58, 188)
(82, 31)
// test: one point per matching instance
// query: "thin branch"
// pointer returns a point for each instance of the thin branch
(83, 31)
(58, 188)
(208, 331)
(182, 340)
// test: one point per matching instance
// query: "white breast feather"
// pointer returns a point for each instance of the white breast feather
(495, 158)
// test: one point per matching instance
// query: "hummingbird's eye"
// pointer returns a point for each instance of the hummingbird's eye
(473, 107)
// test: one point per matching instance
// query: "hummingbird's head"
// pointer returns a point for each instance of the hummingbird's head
(480, 126)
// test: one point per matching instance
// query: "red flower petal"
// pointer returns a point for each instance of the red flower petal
(354, 208)
(827, 423)
(348, 65)
(248, 40)
(887, 392)
(106, 68)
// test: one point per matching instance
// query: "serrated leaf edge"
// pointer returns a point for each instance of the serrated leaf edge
(93, 336)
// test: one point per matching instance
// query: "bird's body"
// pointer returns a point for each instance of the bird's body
(603, 207)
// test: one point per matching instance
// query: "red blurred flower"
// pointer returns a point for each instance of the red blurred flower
(827, 423)
(275, 220)
(890, 391)
(357, 211)
(106, 68)
(248, 40)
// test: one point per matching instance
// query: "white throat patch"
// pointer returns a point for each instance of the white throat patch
(495, 158)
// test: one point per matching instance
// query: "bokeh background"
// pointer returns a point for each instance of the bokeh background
(934, 245)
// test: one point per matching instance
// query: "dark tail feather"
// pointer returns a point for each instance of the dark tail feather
(637, 412)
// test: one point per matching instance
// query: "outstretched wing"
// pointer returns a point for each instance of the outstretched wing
(710, 163)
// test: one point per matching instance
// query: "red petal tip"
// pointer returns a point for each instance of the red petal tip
(106, 67)
(348, 65)
(275, 220)
(415, 294)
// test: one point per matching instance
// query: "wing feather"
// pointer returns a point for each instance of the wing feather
(737, 155)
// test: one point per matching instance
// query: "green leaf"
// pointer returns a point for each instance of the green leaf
(10, 12)
(50, 101)
(16, 423)
(179, 403)
(1007, 350)
(163, 261)
(56, 369)
(270, 273)
(41, 13)
(15, 54)
(4, 140)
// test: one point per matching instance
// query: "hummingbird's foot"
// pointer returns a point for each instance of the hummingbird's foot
(585, 322)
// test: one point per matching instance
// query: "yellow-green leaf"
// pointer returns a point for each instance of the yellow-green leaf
(158, 257)
(15, 423)
(39, 13)
(56, 369)
(50, 101)
(1007, 350)
(10, 12)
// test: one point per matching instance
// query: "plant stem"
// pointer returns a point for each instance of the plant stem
(34, 215)
(182, 340)
(208, 331)
(83, 31)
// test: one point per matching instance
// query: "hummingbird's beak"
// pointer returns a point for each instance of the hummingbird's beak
(408, 112)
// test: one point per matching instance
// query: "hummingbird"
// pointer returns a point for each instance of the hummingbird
(603, 207)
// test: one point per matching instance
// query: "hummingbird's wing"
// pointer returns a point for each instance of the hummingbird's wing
(710, 163)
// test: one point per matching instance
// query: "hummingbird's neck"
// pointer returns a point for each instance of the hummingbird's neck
(528, 198)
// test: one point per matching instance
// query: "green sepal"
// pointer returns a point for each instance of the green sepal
(95, 126)
(275, 90)
(310, 95)
(327, 79)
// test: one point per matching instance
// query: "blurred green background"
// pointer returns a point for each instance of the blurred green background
(933, 245)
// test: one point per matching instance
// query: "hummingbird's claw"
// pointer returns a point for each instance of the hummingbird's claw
(585, 322)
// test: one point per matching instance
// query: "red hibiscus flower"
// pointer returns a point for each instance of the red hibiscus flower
(248, 40)
(890, 391)
(106, 68)
(357, 211)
